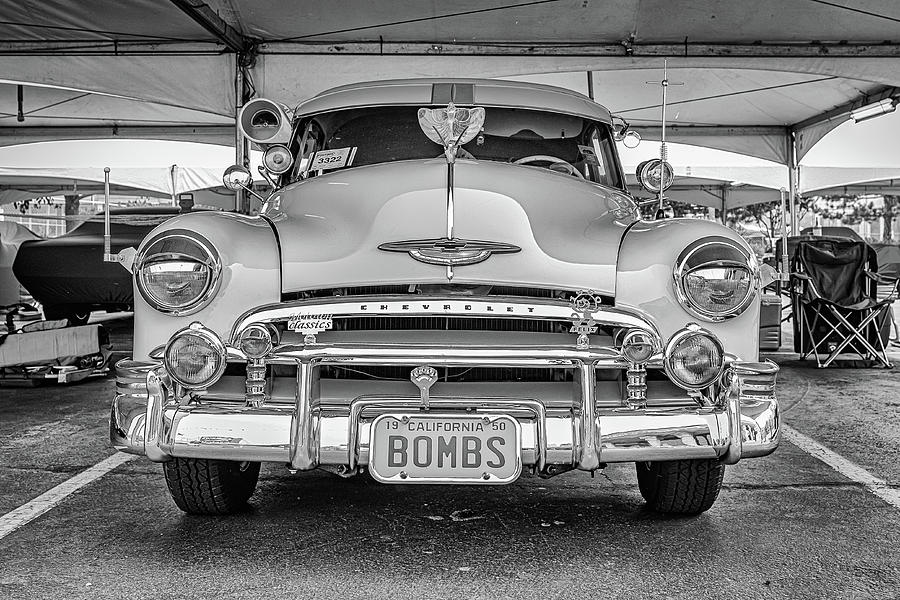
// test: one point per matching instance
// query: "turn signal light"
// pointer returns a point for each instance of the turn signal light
(638, 346)
(256, 341)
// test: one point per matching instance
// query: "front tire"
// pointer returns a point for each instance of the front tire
(210, 487)
(685, 487)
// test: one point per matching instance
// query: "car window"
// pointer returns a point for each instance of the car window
(385, 134)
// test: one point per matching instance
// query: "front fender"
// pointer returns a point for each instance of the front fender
(644, 282)
(251, 276)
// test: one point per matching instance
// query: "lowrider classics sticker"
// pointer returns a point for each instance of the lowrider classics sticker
(310, 323)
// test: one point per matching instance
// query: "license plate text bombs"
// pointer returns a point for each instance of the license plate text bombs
(466, 451)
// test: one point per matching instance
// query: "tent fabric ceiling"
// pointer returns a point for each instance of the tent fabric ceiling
(57, 114)
(753, 72)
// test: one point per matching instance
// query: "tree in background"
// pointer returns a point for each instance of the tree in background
(766, 216)
(853, 210)
(891, 210)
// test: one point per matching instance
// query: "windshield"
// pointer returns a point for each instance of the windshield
(365, 136)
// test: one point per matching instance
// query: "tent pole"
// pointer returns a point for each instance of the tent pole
(724, 196)
(173, 177)
(792, 183)
(240, 150)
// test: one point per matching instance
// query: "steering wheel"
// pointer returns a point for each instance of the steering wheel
(569, 169)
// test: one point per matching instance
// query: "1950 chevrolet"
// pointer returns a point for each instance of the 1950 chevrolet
(450, 284)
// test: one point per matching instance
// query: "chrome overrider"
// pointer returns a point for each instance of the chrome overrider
(736, 417)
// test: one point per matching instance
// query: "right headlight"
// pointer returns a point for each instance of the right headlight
(177, 272)
(716, 279)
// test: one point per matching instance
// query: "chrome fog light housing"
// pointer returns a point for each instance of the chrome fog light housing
(256, 341)
(694, 358)
(716, 279)
(638, 346)
(195, 357)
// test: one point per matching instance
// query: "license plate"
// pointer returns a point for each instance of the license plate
(414, 448)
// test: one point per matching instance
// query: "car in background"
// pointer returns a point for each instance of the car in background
(67, 274)
(12, 235)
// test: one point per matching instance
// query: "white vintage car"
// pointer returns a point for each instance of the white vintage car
(450, 284)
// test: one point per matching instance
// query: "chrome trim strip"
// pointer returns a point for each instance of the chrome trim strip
(156, 402)
(501, 307)
(304, 420)
(587, 458)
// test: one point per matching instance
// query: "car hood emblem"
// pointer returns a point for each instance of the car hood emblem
(449, 251)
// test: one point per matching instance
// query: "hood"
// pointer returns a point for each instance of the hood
(330, 227)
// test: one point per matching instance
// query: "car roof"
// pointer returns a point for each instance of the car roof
(479, 92)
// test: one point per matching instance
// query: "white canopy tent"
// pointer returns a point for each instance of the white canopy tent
(20, 183)
(764, 78)
(822, 181)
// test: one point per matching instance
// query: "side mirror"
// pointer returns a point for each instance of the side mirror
(623, 133)
(237, 178)
(631, 139)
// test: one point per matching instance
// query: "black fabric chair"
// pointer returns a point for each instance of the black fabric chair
(836, 305)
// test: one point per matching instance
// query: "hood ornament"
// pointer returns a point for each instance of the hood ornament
(450, 127)
(449, 252)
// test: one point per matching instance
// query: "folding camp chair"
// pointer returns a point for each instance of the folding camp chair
(835, 301)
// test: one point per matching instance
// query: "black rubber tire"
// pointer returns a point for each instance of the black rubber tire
(79, 317)
(684, 487)
(210, 487)
(75, 314)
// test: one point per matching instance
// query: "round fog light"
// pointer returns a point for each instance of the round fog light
(195, 357)
(694, 358)
(638, 346)
(255, 341)
(277, 159)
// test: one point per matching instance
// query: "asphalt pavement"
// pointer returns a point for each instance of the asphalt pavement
(785, 526)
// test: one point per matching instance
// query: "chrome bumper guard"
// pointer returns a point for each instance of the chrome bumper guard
(148, 419)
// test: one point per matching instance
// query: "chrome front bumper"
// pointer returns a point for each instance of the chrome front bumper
(148, 419)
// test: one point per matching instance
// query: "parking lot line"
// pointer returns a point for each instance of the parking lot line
(847, 468)
(31, 510)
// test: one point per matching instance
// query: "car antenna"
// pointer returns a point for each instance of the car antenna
(663, 147)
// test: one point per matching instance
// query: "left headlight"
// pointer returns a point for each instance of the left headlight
(177, 272)
(716, 279)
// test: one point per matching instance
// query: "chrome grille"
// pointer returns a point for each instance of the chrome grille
(450, 324)
(461, 290)
(454, 375)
